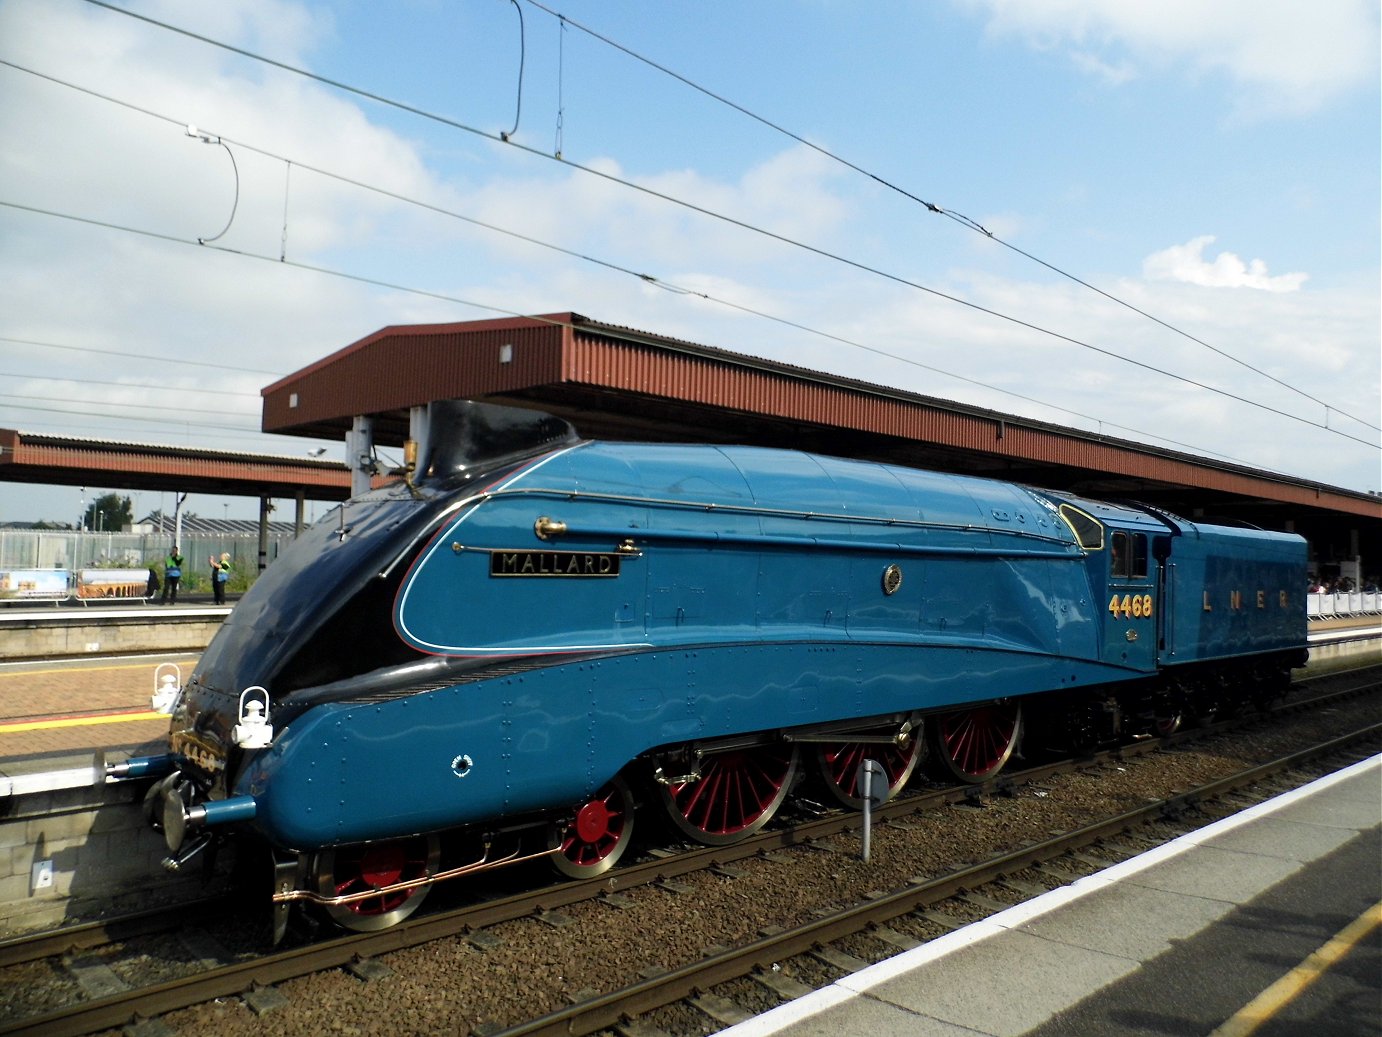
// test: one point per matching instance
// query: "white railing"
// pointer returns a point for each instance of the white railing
(1353, 603)
(84, 585)
(35, 585)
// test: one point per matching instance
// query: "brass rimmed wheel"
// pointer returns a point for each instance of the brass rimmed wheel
(838, 765)
(597, 835)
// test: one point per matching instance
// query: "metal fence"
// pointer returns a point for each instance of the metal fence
(75, 550)
(1356, 603)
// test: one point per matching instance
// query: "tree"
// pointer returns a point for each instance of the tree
(111, 513)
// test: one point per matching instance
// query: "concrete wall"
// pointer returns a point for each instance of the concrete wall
(103, 858)
(63, 633)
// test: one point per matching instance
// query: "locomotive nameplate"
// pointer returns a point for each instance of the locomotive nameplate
(554, 563)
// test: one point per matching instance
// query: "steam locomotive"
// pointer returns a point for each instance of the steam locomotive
(535, 637)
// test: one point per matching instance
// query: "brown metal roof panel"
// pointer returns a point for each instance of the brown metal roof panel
(134, 463)
(549, 323)
(614, 379)
(398, 368)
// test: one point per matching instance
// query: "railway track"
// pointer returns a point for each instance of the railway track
(96, 934)
(694, 984)
(255, 977)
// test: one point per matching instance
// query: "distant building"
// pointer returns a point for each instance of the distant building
(157, 522)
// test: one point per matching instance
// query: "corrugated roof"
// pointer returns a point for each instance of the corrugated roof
(614, 381)
(67, 460)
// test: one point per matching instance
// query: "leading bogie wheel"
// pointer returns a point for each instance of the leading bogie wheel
(368, 868)
(737, 793)
(591, 841)
(972, 745)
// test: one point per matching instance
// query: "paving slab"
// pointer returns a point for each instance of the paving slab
(1217, 874)
(1285, 838)
(1150, 921)
(1187, 930)
(876, 1019)
(1006, 986)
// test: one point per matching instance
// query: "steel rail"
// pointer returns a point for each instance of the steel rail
(69, 939)
(608, 1010)
(119, 1009)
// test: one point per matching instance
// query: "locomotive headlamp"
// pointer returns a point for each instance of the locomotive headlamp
(167, 681)
(254, 730)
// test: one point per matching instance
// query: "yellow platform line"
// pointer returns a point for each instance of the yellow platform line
(79, 668)
(1290, 986)
(103, 718)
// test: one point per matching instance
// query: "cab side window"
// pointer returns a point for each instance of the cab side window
(1118, 565)
(1128, 555)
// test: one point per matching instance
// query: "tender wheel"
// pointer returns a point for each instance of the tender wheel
(348, 870)
(838, 764)
(1171, 711)
(972, 745)
(738, 793)
(597, 837)
(1165, 726)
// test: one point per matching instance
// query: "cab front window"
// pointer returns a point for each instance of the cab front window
(1089, 532)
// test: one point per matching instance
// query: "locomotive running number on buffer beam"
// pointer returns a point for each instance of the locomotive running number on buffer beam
(533, 637)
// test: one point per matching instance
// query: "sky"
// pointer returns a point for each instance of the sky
(1158, 222)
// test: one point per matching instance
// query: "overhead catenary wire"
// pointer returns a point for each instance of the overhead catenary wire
(108, 384)
(680, 290)
(178, 422)
(424, 293)
(671, 199)
(223, 431)
(137, 356)
(958, 217)
(645, 277)
(116, 403)
(522, 59)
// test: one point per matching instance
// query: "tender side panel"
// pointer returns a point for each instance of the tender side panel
(1234, 592)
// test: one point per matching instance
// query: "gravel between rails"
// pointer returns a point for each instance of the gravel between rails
(452, 986)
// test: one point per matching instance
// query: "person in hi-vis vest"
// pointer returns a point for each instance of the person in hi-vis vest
(220, 576)
(172, 573)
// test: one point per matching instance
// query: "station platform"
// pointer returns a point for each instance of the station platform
(1268, 923)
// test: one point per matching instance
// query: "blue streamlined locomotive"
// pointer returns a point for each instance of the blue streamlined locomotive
(539, 633)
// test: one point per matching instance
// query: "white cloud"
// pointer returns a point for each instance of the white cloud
(1104, 392)
(1283, 56)
(102, 289)
(1115, 74)
(1226, 270)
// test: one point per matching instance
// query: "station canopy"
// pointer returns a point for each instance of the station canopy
(621, 383)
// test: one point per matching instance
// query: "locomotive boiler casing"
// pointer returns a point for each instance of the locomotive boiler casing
(604, 600)
(478, 649)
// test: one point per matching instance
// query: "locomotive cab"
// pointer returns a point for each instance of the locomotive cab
(1132, 592)
(1124, 550)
